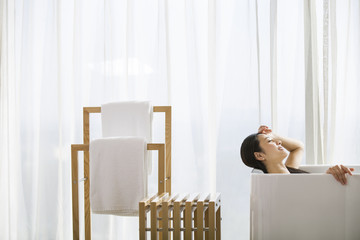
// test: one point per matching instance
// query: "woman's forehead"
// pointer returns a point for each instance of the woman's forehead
(263, 136)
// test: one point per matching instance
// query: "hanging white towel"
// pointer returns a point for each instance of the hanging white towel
(130, 118)
(118, 179)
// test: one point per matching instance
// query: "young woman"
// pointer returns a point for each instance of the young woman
(266, 151)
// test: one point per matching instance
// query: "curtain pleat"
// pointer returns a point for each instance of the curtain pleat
(273, 63)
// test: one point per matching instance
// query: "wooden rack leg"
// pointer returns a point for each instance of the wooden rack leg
(177, 221)
(154, 221)
(75, 148)
(207, 223)
(200, 220)
(196, 224)
(165, 221)
(160, 225)
(212, 220)
(75, 192)
(218, 224)
(86, 132)
(142, 221)
(87, 197)
(188, 221)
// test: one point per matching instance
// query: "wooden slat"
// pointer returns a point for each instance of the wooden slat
(177, 215)
(188, 214)
(196, 223)
(188, 221)
(92, 109)
(153, 220)
(80, 147)
(155, 146)
(154, 214)
(176, 221)
(214, 204)
(207, 222)
(200, 215)
(161, 108)
(148, 200)
(200, 220)
(158, 199)
(171, 206)
(166, 223)
(160, 223)
(216, 199)
(174, 197)
(165, 218)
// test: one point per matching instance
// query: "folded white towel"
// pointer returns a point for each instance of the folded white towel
(118, 179)
(131, 118)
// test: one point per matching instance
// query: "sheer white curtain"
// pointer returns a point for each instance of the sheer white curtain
(12, 191)
(263, 71)
(224, 66)
(332, 81)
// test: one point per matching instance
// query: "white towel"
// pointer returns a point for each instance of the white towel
(118, 179)
(131, 118)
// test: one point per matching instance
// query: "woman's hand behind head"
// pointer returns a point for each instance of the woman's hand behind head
(264, 130)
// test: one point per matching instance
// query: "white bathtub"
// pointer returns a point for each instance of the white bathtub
(304, 206)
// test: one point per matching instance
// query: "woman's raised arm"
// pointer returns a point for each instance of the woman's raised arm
(295, 147)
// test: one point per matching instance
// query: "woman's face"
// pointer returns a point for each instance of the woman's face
(272, 150)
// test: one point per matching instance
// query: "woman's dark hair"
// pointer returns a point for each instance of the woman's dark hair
(250, 145)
